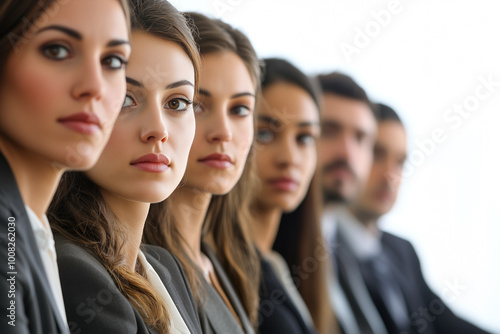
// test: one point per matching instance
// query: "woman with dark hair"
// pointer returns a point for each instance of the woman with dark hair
(204, 223)
(110, 284)
(62, 82)
(287, 129)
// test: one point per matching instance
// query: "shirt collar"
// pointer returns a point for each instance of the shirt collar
(363, 242)
(44, 237)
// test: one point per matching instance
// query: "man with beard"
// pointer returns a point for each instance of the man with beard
(387, 265)
(348, 131)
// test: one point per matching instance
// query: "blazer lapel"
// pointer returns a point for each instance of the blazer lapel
(9, 192)
(228, 289)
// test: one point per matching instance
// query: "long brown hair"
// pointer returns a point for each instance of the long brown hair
(18, 17)
(227, 220)
(299, 237)
(78, 210)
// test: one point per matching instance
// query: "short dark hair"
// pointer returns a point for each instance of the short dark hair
(279, 70)
(385, 113)
(343, 85)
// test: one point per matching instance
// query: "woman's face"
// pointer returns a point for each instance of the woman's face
(224, 124)
(64, 83)
(287, 129)
(147, 152)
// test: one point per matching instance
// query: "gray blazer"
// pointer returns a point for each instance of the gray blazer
(214, 315)
(35, 307)
(95, 305)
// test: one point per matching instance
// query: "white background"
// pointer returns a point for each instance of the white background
(427, 57)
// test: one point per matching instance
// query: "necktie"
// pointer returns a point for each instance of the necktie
(386, 292)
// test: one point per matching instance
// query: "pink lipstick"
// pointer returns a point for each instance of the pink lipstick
(153, 163)
(82, 122)
(217, 160)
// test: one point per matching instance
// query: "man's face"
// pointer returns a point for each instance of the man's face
(348, 129)
(380, 192)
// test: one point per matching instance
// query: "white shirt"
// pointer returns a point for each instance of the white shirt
(177, 324)
(46, 246)
(364, 242)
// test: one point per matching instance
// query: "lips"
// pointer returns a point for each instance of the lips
(284, 184)
(153, 163)
(217, 160)
(82, 122)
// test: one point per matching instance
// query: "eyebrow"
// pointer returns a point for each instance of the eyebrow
(272, 120)
(169, 86)
(76, 35)
(207, 93)
(68, 31)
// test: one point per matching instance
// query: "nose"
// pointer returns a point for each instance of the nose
(219, 127)
(90, 80)
(287, 153)
(154, 128)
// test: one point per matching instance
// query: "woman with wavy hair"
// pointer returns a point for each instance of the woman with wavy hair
(205, 221)
(62, 82)
(110, 283)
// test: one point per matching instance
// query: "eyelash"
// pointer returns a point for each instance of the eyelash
(185, 101)
(47, 47)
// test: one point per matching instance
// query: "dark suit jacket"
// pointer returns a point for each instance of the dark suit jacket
(214, 315)
(277, 312)
(95, 305)
(35, 306)
(427, 312)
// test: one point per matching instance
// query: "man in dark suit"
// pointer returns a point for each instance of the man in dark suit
(376, 270)
(26, 301)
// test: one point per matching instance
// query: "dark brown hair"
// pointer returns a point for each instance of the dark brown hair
(18, 17)
(78, 210)
(299, 235)
(227, 220)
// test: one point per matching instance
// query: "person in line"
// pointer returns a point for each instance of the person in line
(286, 156)
(348, 130)
(204, 223)
(388, 265)
(62, 83)
(110, 283)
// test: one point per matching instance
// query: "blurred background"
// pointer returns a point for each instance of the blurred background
(437, 64)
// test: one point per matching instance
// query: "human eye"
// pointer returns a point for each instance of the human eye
(128, 102)
(241, 110)
(306, 138)
(56, 51)
(178, 104)
(265, 136)
(114, 62)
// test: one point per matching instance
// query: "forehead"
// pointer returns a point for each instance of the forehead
(157, 62)
(94, 19)
(288, 104)
(348, 113)
(391, 136)
(224, 73)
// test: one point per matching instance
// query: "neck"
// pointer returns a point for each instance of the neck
(36, 177)
(132, 216)
(189, 210)
(265, 227)
(369, 221)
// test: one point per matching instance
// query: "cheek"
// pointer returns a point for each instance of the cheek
(113, 99)
(243, 136)
(182, 135)
(36, 88)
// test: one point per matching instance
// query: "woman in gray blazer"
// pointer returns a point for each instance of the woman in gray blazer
(52, 119)
(202, 223)
(110, 283)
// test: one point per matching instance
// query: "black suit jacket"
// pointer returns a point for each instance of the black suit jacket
(95, 305)
(428, 314)
(35, 307)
